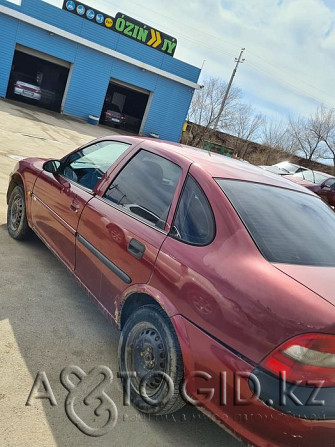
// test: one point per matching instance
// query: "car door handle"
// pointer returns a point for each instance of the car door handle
(75, 205)
(136, 249)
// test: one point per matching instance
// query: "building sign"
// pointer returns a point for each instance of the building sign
(144, 34)
(125, 25)
(88, 13)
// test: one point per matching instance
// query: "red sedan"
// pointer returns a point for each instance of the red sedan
(219, 276)
(322, 184)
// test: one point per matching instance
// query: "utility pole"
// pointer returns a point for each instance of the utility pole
(238, 61)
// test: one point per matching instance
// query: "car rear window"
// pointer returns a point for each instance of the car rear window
(27, 80)
(114, 108)
(287, 226)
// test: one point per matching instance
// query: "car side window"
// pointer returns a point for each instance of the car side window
(145, 187)
(87, 166)
(299, 174)
(330, 183)
(309, 176)
(194, 220)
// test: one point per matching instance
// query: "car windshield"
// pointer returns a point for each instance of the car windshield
(288, 167)
(312, 176)
(288, 226)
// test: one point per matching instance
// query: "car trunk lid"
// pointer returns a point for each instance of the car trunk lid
(26, 86)
(319, 280)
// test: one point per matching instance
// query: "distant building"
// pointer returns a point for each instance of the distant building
(85, 62)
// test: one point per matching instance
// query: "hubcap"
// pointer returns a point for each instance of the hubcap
(145, 354)
(16, 212)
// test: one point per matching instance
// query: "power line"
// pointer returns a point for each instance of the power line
(276, 68)
(288, 84)
(273, 76)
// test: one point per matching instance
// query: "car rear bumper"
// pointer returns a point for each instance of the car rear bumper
(306, 402)
(27, 93)
(233, 404)
(111, 120)
(114, 119)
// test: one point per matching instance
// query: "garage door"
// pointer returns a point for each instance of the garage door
(125, 106)
(38, 78)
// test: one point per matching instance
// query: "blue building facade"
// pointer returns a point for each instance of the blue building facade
(95, 56)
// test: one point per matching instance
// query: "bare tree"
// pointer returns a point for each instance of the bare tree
(205, 108)
(323, 126)
(276, 141)
(306, 141)
(275, 134)
(245, 125)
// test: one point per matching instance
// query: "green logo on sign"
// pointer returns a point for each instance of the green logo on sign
(145, 34)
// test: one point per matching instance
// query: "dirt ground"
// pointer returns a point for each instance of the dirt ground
(47, 322)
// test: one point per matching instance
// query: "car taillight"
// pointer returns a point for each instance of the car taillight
(308, 357)
(122, 117)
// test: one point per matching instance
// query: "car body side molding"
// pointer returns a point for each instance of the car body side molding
(114, 268)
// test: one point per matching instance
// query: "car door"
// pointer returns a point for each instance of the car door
(59, 199)
(120, 232)
(182, 270)
(56, 206)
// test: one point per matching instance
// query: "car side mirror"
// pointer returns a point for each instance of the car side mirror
(52, 166)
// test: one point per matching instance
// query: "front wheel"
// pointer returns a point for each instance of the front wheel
(17, 223)
(151, 362)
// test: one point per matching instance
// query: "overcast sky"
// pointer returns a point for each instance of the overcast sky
(290, 45)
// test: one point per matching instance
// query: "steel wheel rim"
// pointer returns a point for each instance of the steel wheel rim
(16, 212)
(145, 352)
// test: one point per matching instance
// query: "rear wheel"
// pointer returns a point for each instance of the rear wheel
(17, 223)
(149, 348)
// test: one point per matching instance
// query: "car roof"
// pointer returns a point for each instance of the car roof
(216, 165)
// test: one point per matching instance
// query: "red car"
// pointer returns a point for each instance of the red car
(220, 278)
(320, 183)
(114, 116)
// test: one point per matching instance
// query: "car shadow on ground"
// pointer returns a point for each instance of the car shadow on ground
(55, 325)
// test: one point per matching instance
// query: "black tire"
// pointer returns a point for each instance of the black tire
(17, 224)
(149, 344)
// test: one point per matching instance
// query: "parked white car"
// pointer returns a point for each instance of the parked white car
(26, 86)
(284, 168)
